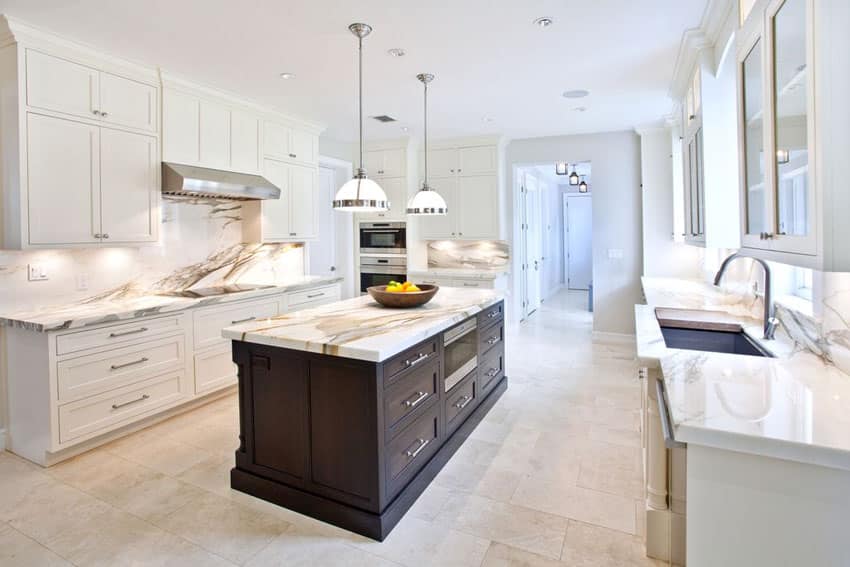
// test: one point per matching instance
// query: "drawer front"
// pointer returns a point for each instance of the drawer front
(209, 322)
(214, 369)
(312, 297)
(461, 401)
(491, 315)
(117, 334)
(415, 391)
(490, 337)
(414, 446)
(491, 369)
(99, 414)
(97, 373)
(411, 358)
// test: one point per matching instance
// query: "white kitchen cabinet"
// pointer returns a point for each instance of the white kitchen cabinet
(128, 103)
(442, 162)
(390, 162)
(293, 217)
(477, 160)
(442, 227)
(396, 191)
(245, 141)
(275, 140)
(214, 135)
(63, 182)
(283, 142)
(303, 205)
(478, 207)
(303, 146)
(129, 186)
(181, 125)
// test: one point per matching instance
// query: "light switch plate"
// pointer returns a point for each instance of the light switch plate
(36, 273)
(82, 281)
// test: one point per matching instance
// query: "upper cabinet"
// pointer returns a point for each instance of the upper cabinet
(293, 217)
(388, 164)
(80, 146)
(290, 144)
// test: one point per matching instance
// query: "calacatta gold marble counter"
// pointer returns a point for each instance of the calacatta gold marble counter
(362, 329)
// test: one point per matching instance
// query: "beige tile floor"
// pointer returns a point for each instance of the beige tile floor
(550, 477)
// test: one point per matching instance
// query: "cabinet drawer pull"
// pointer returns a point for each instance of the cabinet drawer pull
(420, 397)
(131, 363)
(245, 320)
(463, 402)
(492, 314)
(96, 112)
(492, 340)
(293, 233)
(411, 453)
(413, 362)
(98, 235)
(292, 155)
(467, 284)
(315, 295)
(125, 333)
(131, 402)
(492, 372)
(104, 114)
(105, 235)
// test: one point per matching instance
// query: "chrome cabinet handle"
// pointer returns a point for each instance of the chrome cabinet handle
(413, 362)
(464, 401)
(493, 340)
(420, 396)
(98, 235)
(105, 235)
(104, 114)
(315, 295)
(492, 372)
(292, 155)
(96, 112)
(132, 363)
(492, 314)
(131, 402)
(411, 454)
(245, 320)
(125, 333)
(293, 233)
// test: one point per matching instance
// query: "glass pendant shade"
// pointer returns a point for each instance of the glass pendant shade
(361, 195)
(574, 178)
(561, 168)
(426, 201)
(582, 187)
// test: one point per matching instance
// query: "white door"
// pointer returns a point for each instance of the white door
(440, 227)
(276, 211)
(578, 231)
(533, 248)
(215, 135)
(125, 102)
(128, 186)
(244, 141)
(478, 207)
(303, 183)
(57, 84)
(323, 250)
(63, 181)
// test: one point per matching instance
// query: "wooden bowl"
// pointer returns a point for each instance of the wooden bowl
(403, 299)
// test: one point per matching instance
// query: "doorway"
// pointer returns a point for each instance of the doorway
(578, 234)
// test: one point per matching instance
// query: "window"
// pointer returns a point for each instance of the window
(803, 282)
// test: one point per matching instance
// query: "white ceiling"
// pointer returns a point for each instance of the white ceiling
(488, 57)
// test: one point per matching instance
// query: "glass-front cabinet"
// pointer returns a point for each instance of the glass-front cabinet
(776, 134)
(693, 163)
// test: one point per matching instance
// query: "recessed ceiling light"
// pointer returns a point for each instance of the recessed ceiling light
(287, 75)
(544, 22)
(396, 52)
(577, 93)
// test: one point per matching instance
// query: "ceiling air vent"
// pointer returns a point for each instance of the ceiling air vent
(384, 118)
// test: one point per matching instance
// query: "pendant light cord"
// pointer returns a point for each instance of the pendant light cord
(426, 135)
(360, 73)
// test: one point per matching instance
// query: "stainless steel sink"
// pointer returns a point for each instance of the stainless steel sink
(712, 341)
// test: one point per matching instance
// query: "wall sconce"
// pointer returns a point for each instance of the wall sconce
(561, 168)
(783, 156)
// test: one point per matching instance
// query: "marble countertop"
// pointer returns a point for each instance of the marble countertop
(94, 312)
(362, 329)
(468, 273)
(793, 407)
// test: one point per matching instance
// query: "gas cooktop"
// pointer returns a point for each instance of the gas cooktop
(214, 291)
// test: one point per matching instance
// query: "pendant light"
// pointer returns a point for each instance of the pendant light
(582, 187)
(574, 177)
(360, 194)
(426, 201)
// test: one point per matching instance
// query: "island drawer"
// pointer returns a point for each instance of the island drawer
(312, 297)
(418, 355)
(414, 391)
(490, 369)
(488, 338)
(413, 447)
(117, 334)
(491, 315)
(460, 402)
(100, 372)
(209, 321)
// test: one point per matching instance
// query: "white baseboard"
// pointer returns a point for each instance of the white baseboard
(617, 338)
(2, 439)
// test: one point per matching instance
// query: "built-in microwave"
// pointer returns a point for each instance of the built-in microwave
(383, 238)
(460, 352)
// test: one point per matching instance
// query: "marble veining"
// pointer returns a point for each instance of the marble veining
(466, 273)
(469, 255)
(362, 329)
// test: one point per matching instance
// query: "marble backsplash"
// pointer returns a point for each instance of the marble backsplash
(477, 255)
(200, 245)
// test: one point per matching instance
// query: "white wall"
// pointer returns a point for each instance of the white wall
(662, 255)
(338, 149)
(616, 216)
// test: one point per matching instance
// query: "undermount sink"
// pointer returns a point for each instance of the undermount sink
(712, 341)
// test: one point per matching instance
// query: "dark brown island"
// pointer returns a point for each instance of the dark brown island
(354, 442)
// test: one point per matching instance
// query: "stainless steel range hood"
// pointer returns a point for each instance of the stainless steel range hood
(192, 181)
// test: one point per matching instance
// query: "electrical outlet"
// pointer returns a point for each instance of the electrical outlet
(82, 281)
(37, 273)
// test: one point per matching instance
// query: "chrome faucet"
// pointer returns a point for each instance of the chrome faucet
(770, 322)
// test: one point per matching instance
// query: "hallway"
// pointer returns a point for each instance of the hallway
(552, 476)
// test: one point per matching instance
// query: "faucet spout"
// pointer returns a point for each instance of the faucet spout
(770, 323)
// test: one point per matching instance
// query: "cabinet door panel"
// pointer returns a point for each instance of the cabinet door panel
(442, 162)
(373, 162)
(125, 102)
(62, 183)
(215, 135)
(478, 205)
(477, 160)
(303, 183)
(245, 141)
(60, 85)
(180, 127)
(128, 186)
(442, 226)
(303, 146)
(275, 140)
(396, 190)
(276, 211)
(395, 163)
